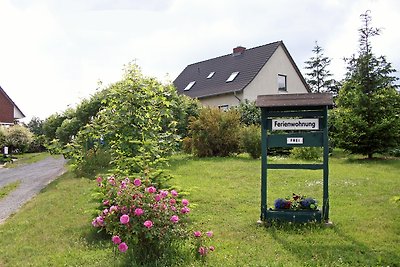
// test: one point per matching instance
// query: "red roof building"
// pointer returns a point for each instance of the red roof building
(9, 112)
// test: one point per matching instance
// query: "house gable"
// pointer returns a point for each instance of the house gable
(8, 110)
(266, 81)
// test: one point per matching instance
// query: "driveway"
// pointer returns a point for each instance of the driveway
(34, 177)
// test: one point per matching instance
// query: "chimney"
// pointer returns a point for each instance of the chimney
(238, 50)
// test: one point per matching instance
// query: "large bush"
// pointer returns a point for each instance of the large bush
(17, 138)
(251, 140)
(215, 133)
(149, 223)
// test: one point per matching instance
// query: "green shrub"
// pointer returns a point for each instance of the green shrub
(37, 144)
(187, 145)
(215, 133)
(395, 152)
(249, 113)
(93, 161)
(17, 138)
(251, 140)
(307, 153)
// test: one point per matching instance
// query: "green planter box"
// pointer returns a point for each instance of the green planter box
(298, 216)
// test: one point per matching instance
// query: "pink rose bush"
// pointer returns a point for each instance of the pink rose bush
(140, 216)
(200, 243)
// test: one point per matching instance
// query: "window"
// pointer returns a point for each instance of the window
(223, 107)
(232, 77)
(189, 86)
(282, 86)
(210, 75)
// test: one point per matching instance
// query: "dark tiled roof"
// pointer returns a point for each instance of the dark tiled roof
(248, 64)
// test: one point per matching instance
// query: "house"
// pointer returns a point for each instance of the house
(9, 112)
(244, 74)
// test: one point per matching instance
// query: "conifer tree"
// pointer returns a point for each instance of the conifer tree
(319, 77)
(367, 119)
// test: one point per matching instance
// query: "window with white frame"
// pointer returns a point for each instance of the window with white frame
(210, 75)
(224, 107)
(232, 77)
(282, 82)
(189, 86)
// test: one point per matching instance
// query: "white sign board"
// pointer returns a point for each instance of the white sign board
(295, 124)
(5, 150)
(294, 140)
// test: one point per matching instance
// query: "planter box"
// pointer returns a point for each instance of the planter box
(297, 216)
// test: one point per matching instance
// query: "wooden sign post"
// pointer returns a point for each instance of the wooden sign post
(302, 121)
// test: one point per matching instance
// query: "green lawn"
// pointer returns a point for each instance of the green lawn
(54, 229)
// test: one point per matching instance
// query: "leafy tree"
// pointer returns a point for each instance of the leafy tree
(367, 118)
(36, 126)
(319, 77)
(249, 113)
(51, 124)
(136, 122)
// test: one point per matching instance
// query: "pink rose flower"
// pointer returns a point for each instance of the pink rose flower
(123, 247)
(174, 193)
(124, 219)
(116, 240)
(197, 233)
(185, 210)
(185, 202)
(211, 248)
(99, 179)
(148, 224)
(105, 212)
(137, 182)
(113, 208)
(151, 189)
(173, 208)
(210, 233)
(106, 202)
(172, 201)
(100, 221)
(138, 211)
(163, 193)
(174, 218)
(123, 185)
(202, 251)
(157, 197)
(111, 180)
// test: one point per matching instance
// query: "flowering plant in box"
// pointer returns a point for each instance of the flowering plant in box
(296, 202)
(142, 218)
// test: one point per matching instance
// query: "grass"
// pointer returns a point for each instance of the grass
(7, 189)
(225, 198)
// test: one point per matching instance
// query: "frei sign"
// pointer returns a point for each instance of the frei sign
(295, 124)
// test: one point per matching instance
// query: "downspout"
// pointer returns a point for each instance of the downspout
(234, 94)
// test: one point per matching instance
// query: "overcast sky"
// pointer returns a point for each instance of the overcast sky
(54, 52)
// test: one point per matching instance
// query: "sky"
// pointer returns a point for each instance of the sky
(53, 53)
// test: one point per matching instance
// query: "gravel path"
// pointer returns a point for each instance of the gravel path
(34, 177)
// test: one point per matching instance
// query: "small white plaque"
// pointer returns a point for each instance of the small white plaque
(294, 140)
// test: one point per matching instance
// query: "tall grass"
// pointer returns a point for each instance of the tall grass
(54, 228)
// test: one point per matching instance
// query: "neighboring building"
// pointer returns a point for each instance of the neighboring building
(246, 73)
(9, 112)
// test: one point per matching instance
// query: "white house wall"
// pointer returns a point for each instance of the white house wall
(226, 99)
(266, 82)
